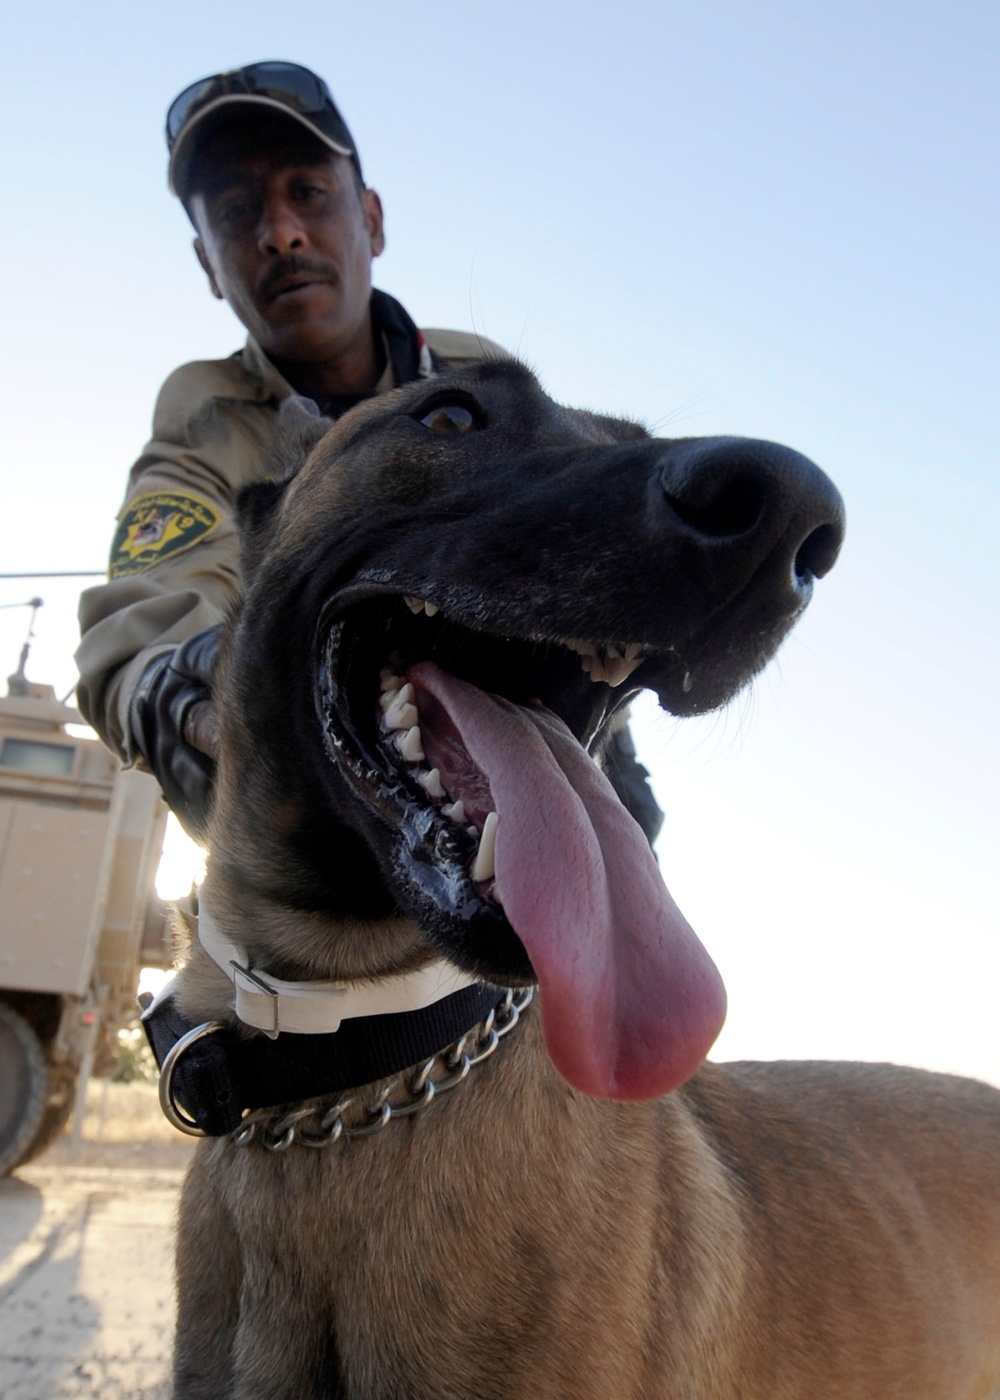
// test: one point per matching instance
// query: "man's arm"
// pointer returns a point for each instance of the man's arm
(174, 570)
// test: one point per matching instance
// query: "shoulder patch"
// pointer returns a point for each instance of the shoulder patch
(156, 526)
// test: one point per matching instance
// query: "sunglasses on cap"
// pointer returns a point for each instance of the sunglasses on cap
(285, 86)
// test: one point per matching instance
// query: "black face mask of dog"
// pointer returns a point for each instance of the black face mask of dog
(525, 569)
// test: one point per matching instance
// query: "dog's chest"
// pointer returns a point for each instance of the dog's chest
(444, 1260)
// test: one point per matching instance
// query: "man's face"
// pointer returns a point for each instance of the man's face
(287, 236)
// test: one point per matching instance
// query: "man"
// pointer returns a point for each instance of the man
(286, 233)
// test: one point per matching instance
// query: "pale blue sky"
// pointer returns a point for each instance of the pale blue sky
(773, 219)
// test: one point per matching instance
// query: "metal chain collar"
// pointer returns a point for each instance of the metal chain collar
(314, 1126)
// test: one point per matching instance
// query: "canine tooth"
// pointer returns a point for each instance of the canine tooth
(611, 653)
(388, 679)
(455, 812)
(415, 605)
(431, 608)
(633, 652)
(587, 661)
(619, 670)
(409, 745)
(431, 783)
(388, 698)
(484, 865)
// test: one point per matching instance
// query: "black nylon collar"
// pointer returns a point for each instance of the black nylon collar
(226, 1072)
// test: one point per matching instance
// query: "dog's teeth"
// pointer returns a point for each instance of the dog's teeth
(614, 666)
(484, 865)
(409, 745)
(400, 716)
(402, 712)
(619, 670)
(388, 679)
(388, 698)
(419, 605)
(431, 783)
(455, 812)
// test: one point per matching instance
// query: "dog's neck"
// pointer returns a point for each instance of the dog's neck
(317, 1007)
(319, 1038)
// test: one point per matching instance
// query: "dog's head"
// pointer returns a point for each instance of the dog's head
(446, 607)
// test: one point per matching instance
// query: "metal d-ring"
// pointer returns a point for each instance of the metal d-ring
(170, 1109)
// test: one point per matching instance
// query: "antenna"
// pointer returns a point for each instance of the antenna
(17, 684)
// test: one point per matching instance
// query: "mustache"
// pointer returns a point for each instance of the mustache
(293, 266)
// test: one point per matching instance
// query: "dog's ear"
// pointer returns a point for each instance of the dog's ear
(255, 506)
(300, 427)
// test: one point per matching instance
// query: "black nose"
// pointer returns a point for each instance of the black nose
(754, 502)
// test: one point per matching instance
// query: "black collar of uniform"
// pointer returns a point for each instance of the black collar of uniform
(410, 357)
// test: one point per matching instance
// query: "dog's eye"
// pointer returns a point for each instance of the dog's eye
(450, 418)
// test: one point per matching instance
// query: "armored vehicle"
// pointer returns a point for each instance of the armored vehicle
(80, 840)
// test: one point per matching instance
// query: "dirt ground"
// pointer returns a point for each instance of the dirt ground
(86, 1256)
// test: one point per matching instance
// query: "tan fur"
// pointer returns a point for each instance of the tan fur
(767, 1232)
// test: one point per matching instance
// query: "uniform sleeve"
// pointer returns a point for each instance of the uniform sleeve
(174, 567)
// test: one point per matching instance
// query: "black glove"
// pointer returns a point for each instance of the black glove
(169, 689)
(630, 781)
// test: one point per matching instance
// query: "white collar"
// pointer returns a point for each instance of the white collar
(272, 1005)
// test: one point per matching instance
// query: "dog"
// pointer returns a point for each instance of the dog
(448, 608)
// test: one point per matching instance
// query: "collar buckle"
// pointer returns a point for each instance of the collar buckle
(240, 977)
(258, 1000)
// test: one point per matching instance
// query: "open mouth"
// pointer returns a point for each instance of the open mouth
(508, 845)
(389, 725)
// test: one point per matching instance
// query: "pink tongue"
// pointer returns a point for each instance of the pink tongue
(631, 1002)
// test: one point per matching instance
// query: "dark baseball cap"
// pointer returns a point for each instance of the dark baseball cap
(287, 88)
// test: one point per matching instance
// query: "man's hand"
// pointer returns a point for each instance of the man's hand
(175, 727)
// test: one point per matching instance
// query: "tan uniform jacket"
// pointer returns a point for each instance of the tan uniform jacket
(174, 567)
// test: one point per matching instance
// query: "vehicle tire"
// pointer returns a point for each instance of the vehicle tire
(58, 1108)
(24, 1087)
